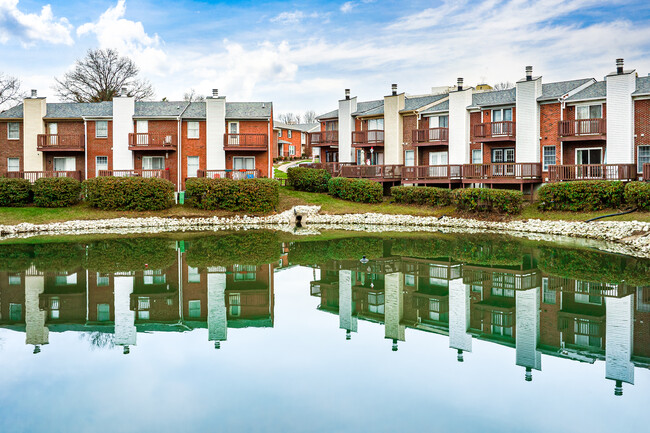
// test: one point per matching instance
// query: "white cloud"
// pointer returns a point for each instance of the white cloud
(32, 28)
(112, 30)
(294, 17)
(347, 7)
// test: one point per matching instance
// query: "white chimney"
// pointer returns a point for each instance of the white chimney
(34, 93)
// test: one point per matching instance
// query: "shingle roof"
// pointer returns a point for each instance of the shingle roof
(304, 127)
(443, 106)
(77, 110)
(413, 103)
(15, 112)
(598, 90)
(196, 110)
(159, 108)
(370, 108)
(642, 86)
(329, 115)
(551, 91)
(248, 110)
(494, 97)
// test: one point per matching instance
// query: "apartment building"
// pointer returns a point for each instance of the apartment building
(521, 137)
(174, 140)
(290, 140)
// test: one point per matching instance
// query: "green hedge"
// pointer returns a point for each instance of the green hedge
(130, 254)
(56, 192)
(308, 179)
(129, 193)
(307, 253)
(587, 195)
(249, 195)
(247, 248)
(14, 192)
(359, 190)
(422, 195)
(637, 194)
(490, 200)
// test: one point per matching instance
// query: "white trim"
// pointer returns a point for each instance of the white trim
(96, 129)
(8, 136)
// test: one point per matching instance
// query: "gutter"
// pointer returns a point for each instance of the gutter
(179, 168)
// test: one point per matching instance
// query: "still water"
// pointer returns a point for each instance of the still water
(261, 331)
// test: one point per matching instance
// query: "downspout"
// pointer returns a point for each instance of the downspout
(179, 168)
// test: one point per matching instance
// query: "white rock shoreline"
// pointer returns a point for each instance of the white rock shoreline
(627, 237)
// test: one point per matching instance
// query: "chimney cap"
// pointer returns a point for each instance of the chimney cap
(459, 83)
(347, 93)
(34, 93)
(393, 88)
(529, 73)
(215, 93)
(124, 92)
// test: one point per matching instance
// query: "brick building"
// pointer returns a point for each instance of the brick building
(290, 141)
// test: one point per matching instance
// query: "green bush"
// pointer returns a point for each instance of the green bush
(248, 248)
(359, 190)
(422, 195)
(490, 200)
(308, 179)
(586, 195)
(637, 194)
(249, 195)
(129, 193)
(14, 192)
(130, 254)
(56, 191)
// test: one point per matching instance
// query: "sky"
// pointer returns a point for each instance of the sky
(302, 55)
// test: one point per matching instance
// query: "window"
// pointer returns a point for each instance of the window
(243, 163)
(409, 158)
(303, 138)
(154, 277)
(192, 166)
(142, 126)
(376, 303)
(503, 155)
(443, 121)
(102, 280)
(589, 112)
(280, 133)
(502, 324)
(13, 164)
(54, 307)
(289, 133)
(502, 115)
(360, 157)
(14, 280)
(103, 312)
(101, 129)
(233, 128)
(588, 293)
(101, 163)
(67, 163)
(643, 156)
(234, 302)
(549, 157)
(548, 295)
(477, 156)
(192, 129)
(153, 162)
(409, 280)
(292, 150)
(15, 312)
(376, 124)
(193, 275)
(194, 308)
(13, 131)
(332, 125)
(143, 307)
(65, 280)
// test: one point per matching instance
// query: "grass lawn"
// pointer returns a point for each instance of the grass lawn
(279, 174)
(288, 199)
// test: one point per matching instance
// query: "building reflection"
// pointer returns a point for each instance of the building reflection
(513, 305)
(122, 304)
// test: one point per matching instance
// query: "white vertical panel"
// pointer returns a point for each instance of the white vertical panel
(620, 118)
(527, 120)
(459, 126)
(346, 126)
(394, 306)
(393, 129)
(346, 320)
(217, 314)
(123, 111)
(459, 305)
(215, 113)
(125, 331)
(619, 337)
(35, 329)
(527, 328)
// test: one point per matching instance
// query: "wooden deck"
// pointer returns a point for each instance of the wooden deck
(564, 173)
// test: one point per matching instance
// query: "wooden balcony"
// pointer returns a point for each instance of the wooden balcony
(563, 173)
(230, 174)
(253, 142)
(432, 174)
(151, 141)
(495, 131)
(526, 172)
(431, 136)
(584, 129)
(324, 138)
(160, 174)
(371, 138)
(646, 172)
(333, 168)
(33, 175)
(60, 142)
(376, 172)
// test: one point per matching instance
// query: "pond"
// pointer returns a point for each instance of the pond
(265, 331)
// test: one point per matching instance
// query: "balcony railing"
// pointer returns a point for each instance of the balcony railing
(60, 142)
(388, 172)
(373, 137)
(151, 141)
(229, 174)
(432, 172)
(245, 141)
(646, 172)
(504, 130)
(561, 173)
(431, 135)
(324, 138)
(509, 170)
(333, 168)
(160, 174)
(582, 127)
(33, 175)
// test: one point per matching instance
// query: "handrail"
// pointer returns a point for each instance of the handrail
(505, 128)
(561, 173)
(230, 174)
(571, 128)
(32, 176)
(245, 140)
(369, 137)
(426, 172)
(324, 138)
(372, 171)
(506, 170)
(430, 135)
(146, 140)
(60, 141)
(146, 173)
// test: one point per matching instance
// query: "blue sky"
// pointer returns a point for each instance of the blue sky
(301, 55)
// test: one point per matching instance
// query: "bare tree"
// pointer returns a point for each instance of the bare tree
(99, 77)
(290, 118)
(192, 96)
(9, 89)
(504, 85)
(99, 340)
(309, 116)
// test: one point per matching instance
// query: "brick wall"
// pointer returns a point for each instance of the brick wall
(549, 118)
(10, 148)
(169, 127)
(641, 125)
(99, 147)
(262, 157)
(192, 147)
